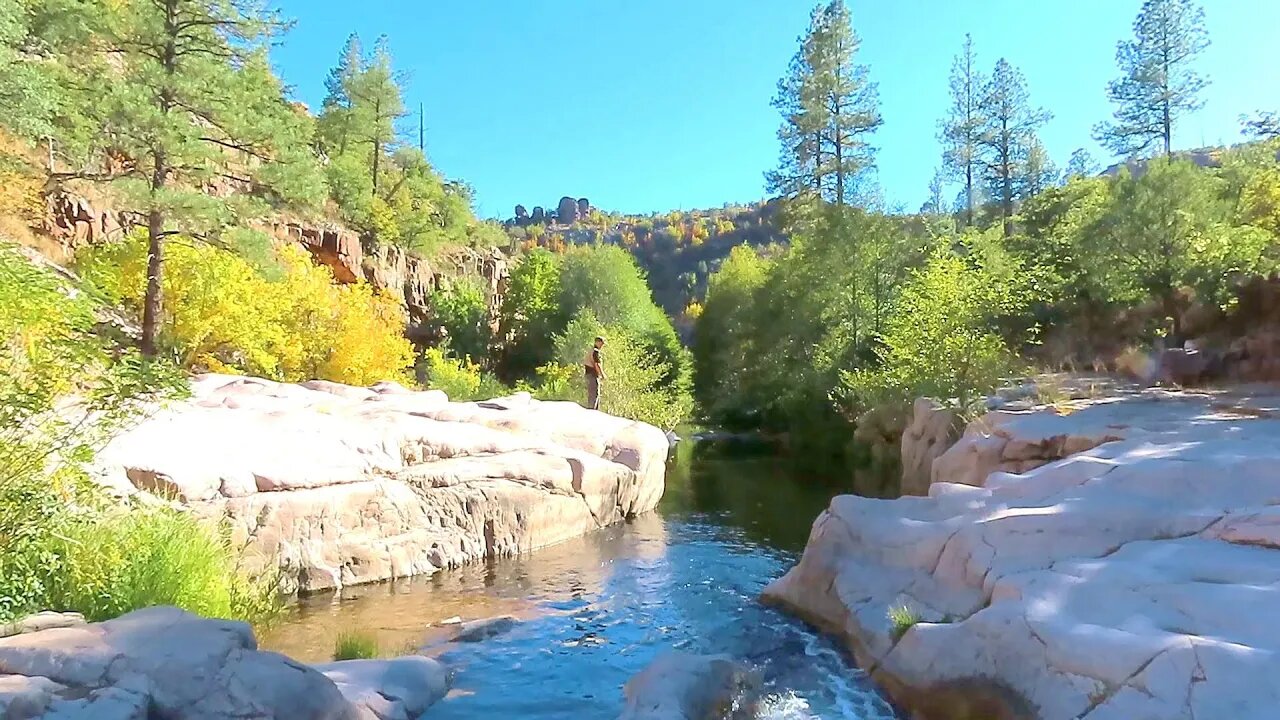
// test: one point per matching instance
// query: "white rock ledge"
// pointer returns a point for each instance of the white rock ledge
(1136, 578)
(342, 485)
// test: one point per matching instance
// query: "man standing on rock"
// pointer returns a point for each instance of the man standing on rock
(595, 374)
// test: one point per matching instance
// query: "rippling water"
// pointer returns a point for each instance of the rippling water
(594, 611)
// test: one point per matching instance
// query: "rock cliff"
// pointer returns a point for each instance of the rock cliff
(341, 485)
(1114, 559)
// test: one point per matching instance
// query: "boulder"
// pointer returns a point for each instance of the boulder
(159, 662)
(336, 485)
(397, 689)
(680, 686)
(1122, 573)
(538, 216)
(932, 431)
(567, 211)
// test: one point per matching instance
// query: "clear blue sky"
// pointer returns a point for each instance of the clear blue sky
(664, 104)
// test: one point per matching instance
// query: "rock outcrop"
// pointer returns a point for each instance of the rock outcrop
(164, 662)
(932, 431)
(1130, 579)
(341, 485)
(680, 686)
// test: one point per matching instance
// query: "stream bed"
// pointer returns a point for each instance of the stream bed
(592, 612)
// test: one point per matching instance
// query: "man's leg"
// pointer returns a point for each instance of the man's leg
(593, 392)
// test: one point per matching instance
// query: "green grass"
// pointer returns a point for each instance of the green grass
(104, 560)
(902, 618)
(355, 645)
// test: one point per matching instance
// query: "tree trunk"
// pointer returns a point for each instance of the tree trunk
(151, 303)
(155, 270)
(968, 193)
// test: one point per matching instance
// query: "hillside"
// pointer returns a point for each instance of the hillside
(677, 250)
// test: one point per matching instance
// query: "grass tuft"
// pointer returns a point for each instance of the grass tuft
(902, 618)
(355, 645)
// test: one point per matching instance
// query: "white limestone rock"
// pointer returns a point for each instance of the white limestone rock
(1131, 578)
(340, 485)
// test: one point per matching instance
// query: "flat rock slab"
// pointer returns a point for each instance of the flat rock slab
(339, 485)
(1132, 576)
(159, 662)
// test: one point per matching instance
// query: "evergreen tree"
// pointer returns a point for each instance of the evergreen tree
(1038, 171)
(376, 106)
(934, 204)
(1158, 83)
(829, 106)
(1081, 164)
(960, 130)
(337, 109)
(1263, 125)
(184, 91)
(1007, 136)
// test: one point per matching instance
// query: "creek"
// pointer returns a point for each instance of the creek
(592, 612)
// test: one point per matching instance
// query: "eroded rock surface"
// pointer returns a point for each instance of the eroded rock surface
(344, 485)
(1132, 578)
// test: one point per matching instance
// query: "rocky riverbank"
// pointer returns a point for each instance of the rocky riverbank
(164, 662)
(1107, 559)
(340, 485)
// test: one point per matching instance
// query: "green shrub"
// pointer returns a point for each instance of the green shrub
(635, 386)
(355, 645)
(121, 558)
(460, 379)
(64, 545)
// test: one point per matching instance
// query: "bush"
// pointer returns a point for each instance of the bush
(460, 379)
(63, 545)
(355, 645)
(223, 315)
(635, 387)
(113, 560)
(941, 340)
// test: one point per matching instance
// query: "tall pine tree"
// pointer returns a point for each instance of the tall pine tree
(183, 91)
(1158, 82)
(829, 107)
(960, 130)
(1007, 135)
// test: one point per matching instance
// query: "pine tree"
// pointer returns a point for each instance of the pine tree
(376, 106)
(1263, 125)
(1007, 135)
(336, 111)
(959, 131)
(1158, 82)
(1081, 164)
(829, 106)
(934, 204)
(183, 90)
(1038, 171)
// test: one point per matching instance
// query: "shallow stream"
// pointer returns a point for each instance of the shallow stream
(594, 611)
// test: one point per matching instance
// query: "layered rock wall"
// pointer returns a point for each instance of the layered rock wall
(1114, 559)
(340, 485)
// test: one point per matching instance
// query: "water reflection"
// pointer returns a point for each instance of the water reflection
(596, 610)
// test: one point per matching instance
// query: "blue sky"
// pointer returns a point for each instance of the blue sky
(664, 104)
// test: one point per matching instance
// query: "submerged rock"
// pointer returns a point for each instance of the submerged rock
(680, 686)
(396, 689)
(1113, 560)
(339, 485)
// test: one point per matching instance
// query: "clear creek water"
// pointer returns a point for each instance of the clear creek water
(594, 611)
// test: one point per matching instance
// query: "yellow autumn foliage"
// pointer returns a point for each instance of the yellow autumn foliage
(222, 315)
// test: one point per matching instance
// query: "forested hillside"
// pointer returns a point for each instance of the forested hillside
(1030, 268)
